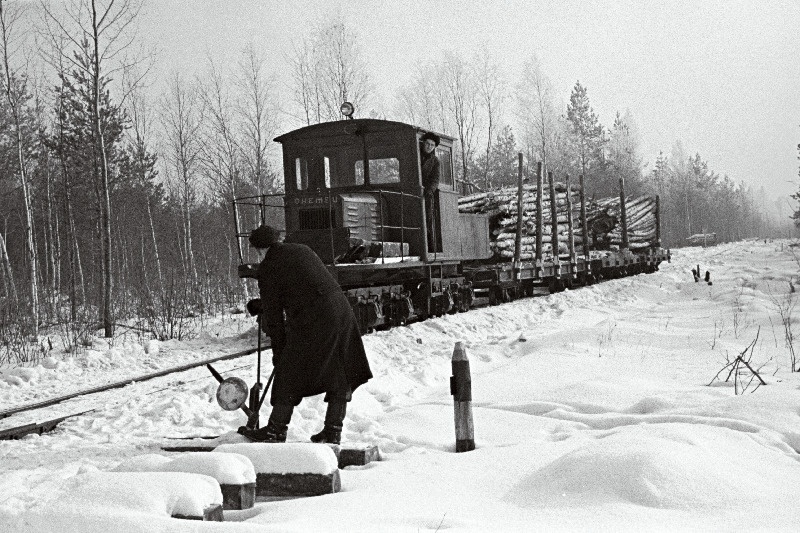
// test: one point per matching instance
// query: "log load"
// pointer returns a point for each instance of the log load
(501, 206)
(603, 219)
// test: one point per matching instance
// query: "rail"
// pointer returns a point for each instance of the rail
(119, 384)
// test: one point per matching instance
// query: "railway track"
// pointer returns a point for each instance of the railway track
(42, 417)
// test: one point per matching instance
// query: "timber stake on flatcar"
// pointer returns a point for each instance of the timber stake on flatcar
(368, 225)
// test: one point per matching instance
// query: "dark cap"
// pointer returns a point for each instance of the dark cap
(432, 136)
(263, 236)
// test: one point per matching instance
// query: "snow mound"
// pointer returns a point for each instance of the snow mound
(158, 493)
(152, 347)
(286, 458)
(667, 466)
(226, 468)
(150, 462)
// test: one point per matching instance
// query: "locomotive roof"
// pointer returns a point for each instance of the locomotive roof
(337, 127)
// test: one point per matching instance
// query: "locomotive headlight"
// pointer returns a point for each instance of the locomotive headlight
(347, 109)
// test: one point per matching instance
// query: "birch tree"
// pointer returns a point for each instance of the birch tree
(258, 116)
(492, 95)
(15, 91)
(623, 152)
(99, 33)
(536, 112)
(182, 119)
(328, 68)
(459, 80)
(142, 158)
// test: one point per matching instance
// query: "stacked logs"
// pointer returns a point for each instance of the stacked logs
(603, 218)
(501, 206)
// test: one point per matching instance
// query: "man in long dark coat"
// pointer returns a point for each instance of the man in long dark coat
(317, 348)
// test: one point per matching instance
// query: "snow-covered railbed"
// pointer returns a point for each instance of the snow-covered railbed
(592, 409)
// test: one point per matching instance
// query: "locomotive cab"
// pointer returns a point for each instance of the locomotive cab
(348, 212)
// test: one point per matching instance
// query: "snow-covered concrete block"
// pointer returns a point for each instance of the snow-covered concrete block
(212, 513)
(354, 454)
(238, 497)
(290, 469)
(358, 455)
(234, 472)
(175, 494)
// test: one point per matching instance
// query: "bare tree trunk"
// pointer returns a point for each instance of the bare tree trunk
(183, 131)
(155, 246)
(489, 86)
(8, 278)
(187, 229)
(52, 234)
(105, 198)
(13, 98)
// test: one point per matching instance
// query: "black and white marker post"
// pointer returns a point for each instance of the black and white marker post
(461, 389)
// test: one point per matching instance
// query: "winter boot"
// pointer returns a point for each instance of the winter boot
(275, 430)
(334, 419)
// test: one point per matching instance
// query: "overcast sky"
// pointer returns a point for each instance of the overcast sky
(723, 77)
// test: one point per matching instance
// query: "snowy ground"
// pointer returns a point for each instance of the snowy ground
(593, 411)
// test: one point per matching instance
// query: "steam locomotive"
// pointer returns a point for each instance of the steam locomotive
(367, 222)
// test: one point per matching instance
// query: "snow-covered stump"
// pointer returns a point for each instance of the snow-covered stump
(234, 473)
(172, 494)
(290, 469)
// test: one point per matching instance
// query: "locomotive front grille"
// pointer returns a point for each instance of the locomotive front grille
(315, 219)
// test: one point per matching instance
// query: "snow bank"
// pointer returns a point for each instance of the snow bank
(226, 468)
(157, 493)
(286, 458)
(151, 462)
(602, 419)
(667, 466)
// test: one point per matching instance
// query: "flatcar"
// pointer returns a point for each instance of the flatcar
(367, 222)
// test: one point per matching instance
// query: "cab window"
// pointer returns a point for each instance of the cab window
(444, 154)
(385, 170)
(301, 173)
(327, 164)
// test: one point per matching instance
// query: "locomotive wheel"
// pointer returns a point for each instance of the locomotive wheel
(458, 298)
(555, 285)
(528, 290)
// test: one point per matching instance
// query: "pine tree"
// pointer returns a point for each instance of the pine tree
(588, 141)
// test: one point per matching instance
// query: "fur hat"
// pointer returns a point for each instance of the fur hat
(263, 236)
(432, 136)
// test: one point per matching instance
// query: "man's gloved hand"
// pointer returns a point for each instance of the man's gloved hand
(254, 306)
